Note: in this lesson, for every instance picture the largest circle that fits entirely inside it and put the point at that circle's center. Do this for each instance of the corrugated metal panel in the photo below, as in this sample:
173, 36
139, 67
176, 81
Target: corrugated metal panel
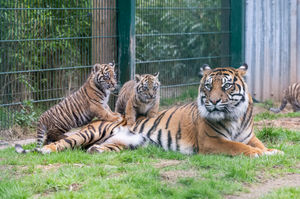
272, 46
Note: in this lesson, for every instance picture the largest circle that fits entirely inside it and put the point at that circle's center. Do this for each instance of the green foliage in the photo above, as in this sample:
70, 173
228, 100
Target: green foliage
27, 115
36, 38
277, 135
173, 31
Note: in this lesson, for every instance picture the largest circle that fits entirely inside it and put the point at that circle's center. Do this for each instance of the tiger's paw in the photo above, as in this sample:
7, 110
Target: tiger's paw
254, 153
273, 152
94, 149
47, 149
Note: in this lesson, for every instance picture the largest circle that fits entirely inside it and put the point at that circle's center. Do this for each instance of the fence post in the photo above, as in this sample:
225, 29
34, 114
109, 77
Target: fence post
126, 45
237, 26
103, 32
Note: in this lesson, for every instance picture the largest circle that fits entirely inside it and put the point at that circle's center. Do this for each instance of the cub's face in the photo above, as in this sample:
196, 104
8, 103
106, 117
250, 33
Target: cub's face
223, 93
147, 87
104, 76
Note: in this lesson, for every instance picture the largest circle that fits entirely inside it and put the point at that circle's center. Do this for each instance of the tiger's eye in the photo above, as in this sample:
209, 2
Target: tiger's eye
227, 86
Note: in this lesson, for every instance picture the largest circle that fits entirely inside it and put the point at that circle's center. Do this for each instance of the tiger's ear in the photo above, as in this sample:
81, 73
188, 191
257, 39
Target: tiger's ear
96, 68
242, 70
204, 69
137, 78
156, 75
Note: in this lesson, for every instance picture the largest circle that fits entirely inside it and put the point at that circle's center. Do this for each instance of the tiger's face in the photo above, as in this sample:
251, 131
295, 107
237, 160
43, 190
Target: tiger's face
223, 93
147, 87
104, 76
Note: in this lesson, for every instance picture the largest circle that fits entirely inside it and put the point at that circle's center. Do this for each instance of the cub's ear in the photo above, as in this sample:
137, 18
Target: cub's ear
112, 65
156, 75
242, 70
137, 78
96, 68
204, 70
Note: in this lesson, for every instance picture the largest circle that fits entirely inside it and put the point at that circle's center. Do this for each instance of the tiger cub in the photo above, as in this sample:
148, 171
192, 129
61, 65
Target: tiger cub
139, 97
80, 107
292, 96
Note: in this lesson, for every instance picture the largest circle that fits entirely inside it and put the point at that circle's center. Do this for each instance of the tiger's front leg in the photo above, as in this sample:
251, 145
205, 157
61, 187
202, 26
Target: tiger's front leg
104, 113
255, 142
153, 111
122, 138
130, 114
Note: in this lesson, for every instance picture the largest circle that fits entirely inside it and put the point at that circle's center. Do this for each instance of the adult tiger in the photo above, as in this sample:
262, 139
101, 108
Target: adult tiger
79, 108
292, 96
219, 122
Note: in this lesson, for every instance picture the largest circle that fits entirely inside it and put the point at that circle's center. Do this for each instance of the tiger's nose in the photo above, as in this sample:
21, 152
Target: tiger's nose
215, 101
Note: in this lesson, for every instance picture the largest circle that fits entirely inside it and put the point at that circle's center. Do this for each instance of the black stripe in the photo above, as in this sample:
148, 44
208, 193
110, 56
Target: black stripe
100, 127
169, 139
248, 119
211, 126
92, 136
87, 135
178, 137
137, 123
210, 135
75, 142
83, 136
224, 127
103, 133
143, 125
156, 123
171, 115
159, 137
234, 79
247, 136
69, 142
91, 127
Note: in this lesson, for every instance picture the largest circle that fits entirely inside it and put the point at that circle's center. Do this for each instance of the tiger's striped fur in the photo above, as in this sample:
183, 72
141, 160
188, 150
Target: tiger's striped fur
139, 97
219, 122
80, 107
291, 95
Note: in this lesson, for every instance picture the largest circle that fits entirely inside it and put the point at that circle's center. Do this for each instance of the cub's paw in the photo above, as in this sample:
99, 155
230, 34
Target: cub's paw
47, 149
273, 152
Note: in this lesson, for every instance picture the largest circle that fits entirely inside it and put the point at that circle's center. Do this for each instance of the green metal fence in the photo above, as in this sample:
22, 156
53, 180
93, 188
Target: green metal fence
46, 51
47, 47
177, 37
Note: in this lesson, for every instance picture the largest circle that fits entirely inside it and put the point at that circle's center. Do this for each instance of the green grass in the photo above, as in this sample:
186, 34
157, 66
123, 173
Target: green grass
284, 193
273, 116
133, 174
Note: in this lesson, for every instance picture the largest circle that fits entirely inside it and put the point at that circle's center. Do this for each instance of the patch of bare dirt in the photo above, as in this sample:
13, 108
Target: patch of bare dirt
166, 163
288, 123
259, 190
172, 176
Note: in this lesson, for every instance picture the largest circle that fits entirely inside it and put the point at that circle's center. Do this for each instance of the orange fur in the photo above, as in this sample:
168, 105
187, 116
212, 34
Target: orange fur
139, 97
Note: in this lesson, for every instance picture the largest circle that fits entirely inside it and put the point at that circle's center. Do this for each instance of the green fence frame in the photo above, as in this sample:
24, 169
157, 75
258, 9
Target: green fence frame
126, 46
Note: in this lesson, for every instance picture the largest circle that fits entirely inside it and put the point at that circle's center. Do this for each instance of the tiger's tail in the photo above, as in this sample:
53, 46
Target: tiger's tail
282, 106
41, 131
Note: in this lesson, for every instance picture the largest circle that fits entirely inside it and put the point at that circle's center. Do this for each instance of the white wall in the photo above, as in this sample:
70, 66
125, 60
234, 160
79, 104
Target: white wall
272, 46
